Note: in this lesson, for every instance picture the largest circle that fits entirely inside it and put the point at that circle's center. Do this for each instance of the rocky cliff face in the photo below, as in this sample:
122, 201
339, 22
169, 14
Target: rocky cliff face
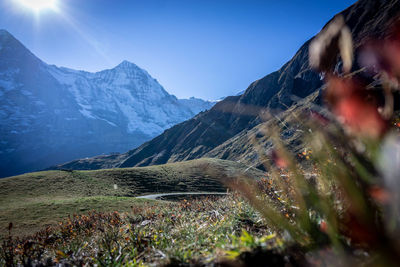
223, 130
50, 115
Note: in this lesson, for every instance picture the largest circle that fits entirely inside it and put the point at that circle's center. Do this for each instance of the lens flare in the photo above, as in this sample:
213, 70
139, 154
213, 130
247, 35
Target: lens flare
38, 5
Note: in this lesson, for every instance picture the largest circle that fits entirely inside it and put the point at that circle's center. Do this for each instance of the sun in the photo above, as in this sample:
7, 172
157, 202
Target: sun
38, 5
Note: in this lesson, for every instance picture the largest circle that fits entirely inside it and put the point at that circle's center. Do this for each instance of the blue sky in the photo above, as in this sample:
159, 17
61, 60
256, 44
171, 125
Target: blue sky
207, 48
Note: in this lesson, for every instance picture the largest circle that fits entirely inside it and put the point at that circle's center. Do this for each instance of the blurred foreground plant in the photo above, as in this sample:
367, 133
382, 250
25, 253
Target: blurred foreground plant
346, 197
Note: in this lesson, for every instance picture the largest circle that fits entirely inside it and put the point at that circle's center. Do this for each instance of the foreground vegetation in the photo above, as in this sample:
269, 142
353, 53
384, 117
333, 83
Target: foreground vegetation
35, 200
334, 203
185, 232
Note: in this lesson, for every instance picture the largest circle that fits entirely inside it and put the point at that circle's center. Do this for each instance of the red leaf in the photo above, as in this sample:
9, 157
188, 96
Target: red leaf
348, 101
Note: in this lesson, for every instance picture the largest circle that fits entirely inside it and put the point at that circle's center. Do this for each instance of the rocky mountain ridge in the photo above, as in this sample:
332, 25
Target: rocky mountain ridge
226, 130
50, 114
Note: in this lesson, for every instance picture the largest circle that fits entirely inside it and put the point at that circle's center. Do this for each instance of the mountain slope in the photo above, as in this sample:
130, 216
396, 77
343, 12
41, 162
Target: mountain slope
219, 128
366, 19
50, 115
197, 105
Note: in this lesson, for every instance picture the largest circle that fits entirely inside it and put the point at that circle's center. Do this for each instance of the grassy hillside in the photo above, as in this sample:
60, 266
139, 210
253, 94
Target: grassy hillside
34, 200
246, 146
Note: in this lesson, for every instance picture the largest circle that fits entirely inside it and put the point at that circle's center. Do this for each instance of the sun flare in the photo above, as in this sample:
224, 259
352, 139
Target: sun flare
38, 5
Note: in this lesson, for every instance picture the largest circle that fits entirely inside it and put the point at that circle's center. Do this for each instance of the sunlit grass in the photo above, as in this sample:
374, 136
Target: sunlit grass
152, 232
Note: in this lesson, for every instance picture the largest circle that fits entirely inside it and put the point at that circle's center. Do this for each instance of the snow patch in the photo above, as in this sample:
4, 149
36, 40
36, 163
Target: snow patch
87, 114
39, 103
62, 77
26, 93
7, 85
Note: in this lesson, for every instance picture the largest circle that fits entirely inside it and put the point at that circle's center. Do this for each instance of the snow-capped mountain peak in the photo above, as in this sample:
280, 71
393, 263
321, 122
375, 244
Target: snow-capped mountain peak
125, 64
45, 109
